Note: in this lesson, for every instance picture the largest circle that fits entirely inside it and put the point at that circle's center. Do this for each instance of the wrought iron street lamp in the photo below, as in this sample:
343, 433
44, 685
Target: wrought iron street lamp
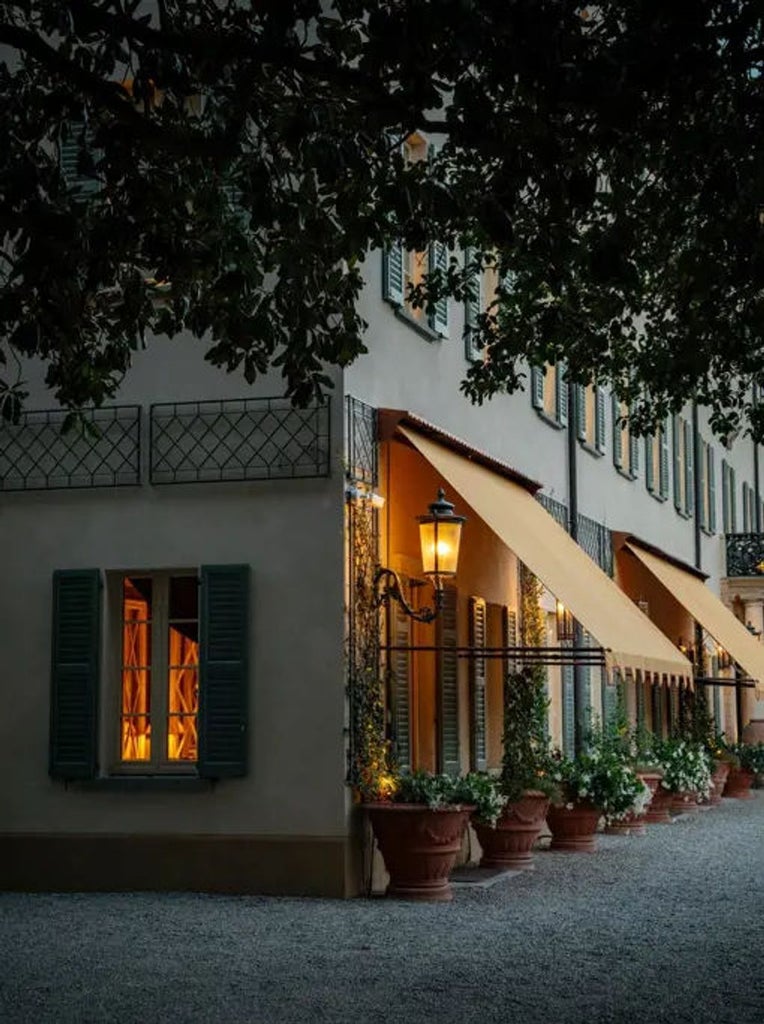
440, 534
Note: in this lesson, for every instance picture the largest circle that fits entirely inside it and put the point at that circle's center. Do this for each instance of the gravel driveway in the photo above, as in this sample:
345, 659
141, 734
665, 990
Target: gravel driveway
669, 927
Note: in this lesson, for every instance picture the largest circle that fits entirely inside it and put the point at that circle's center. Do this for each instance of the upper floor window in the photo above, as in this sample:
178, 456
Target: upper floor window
403, 269
625, 444
684, 467
729, 498
590, 416
549, 393
749, 509
657, 463
484, 287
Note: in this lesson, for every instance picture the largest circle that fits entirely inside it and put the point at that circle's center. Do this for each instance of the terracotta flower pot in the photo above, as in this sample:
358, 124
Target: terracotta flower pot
509, 844
573, 827
624, 826
739, 782
684, 802
659, 809
718, 781
419, 847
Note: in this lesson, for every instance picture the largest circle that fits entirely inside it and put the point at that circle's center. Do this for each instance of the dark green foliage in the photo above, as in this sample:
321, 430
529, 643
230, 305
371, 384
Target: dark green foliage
608, 158
526, 760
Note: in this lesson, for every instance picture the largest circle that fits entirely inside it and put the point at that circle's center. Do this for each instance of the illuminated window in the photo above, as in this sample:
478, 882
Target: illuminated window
549, 393
485, 288
625, 444
159, 694
404, 269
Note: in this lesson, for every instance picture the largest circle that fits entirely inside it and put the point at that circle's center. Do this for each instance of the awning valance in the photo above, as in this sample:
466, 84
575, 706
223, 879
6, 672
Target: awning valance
707, 609
630, 640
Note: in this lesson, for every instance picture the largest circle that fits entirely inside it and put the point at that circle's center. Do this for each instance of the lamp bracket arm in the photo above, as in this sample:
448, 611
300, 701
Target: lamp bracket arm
388, 586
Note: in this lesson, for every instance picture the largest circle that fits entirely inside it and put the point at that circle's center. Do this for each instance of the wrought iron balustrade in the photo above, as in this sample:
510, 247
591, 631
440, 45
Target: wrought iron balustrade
238, 439
360, 441
104, 451
745, 553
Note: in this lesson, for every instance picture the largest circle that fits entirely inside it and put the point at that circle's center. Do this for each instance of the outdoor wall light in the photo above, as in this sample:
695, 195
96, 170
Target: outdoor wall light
565, 628
723, 658
687, 649
440, 533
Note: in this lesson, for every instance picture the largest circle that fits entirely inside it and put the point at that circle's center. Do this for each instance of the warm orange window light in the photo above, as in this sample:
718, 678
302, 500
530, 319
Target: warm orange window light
183, 669
440, 534
135, 733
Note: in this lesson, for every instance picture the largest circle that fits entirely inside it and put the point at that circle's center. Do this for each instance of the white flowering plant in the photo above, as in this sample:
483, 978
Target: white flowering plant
601, 776
686, 766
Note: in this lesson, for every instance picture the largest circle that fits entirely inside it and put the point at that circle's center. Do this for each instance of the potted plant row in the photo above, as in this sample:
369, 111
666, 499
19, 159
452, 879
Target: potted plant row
747, 763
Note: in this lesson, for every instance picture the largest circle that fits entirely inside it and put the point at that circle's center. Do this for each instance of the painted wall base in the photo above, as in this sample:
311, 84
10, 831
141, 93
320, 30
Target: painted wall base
272, 865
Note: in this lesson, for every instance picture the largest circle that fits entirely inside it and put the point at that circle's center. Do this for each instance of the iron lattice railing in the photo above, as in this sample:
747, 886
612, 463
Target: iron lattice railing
745, 553
556, 509
238, 439
595, 539
103, 451
361, 460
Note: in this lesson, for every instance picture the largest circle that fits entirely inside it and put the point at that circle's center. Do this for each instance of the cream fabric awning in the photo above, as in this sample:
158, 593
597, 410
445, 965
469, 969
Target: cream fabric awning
630, 640
709, 611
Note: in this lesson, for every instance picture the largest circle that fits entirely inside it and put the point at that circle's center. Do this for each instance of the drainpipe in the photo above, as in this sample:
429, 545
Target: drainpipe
580, 696
699, 498
756, 487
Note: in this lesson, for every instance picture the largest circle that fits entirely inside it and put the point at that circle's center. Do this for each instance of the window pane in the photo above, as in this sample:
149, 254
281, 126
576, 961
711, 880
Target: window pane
183, 669
136, 669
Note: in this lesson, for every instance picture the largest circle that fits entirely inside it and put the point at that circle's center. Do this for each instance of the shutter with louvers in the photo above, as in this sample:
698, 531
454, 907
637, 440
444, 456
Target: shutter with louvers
752, 509
509, 638
472, 309
401, 690
609, 701
580, 392
223, 671
599, 424
746, 520
77, 159
640, 687
717, 705
561, 395
568, 711
702, 511
650, 442
733, 501
663, 485
477, 683
657, 709
689, 470
448, 684
725, 497
392, 274
75, 673
537, 387
617, 434
633, 453
438, 256
711, 489
677, 438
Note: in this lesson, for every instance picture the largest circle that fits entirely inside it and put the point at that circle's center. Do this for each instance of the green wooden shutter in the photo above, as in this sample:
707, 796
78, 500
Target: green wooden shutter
746, 520
650, 441
617, 434
689, 470
677, 439
711, 488
75, 664
717, 706
438, 257
732, 502
580, 392
725, 496
633, 453
657, 709
448, 684
640, 687
599, 423
509, 638
663, 483
561, 395
537, 387
77, 157
401, 691
568, 711
223, 671
472, 309
477, 641
392, 274
702, 490
609, 700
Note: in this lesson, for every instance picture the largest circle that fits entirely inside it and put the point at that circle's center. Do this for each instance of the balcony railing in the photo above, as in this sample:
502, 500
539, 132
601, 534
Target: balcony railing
745, 553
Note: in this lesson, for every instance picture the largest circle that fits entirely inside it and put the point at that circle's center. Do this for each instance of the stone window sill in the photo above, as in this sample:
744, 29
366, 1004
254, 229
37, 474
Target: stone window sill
422, 329
145, 784
550, 420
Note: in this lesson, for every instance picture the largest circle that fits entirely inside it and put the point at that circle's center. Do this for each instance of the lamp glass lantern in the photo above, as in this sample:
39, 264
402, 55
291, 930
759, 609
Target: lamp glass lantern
440, 534
564, 618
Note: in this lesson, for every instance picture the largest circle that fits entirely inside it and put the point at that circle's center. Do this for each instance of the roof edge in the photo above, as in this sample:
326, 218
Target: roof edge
390, 419
621, 539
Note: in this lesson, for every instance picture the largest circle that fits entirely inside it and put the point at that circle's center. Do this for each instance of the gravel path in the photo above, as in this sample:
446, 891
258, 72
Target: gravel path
665, 928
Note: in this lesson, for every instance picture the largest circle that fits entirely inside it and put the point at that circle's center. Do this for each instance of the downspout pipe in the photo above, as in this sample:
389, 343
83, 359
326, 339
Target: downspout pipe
698, 498
580, 694
756, 484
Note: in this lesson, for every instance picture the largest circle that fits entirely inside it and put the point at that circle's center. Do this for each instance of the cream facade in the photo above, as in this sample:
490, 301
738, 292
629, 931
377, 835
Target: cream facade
214, 481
